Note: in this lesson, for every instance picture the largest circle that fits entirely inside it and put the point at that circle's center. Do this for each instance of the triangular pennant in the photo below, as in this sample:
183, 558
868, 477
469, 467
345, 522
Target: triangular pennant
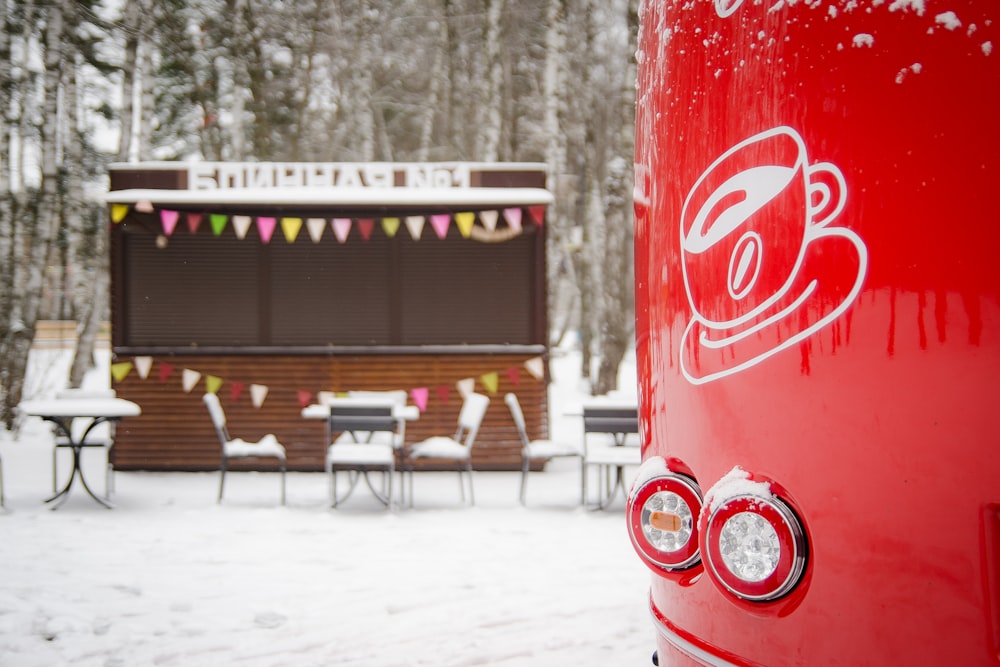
489, 219
537, 214
419, 396
193, 222
143, 364
213, 383
464, 221
241, 223
265, 226
120, 370
258, 393
535, 366
514, 375
513, 217
118, 212
415, 225
390, 226
189, 379
218, 222
341, 228
236, 390
466, 386
315, 226
144, 206
290, 228
169, 220
365, 226
491, 381
440, 224
443, 390
166, 370
305, 398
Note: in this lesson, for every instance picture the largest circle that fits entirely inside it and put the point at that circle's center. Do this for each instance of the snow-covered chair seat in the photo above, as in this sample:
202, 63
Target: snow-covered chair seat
238, 448
538, 449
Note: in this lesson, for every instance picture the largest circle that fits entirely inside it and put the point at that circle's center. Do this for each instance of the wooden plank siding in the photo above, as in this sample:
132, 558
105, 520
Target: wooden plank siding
175, 433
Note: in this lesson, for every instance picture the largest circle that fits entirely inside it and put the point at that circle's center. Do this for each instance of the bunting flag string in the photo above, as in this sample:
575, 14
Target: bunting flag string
213, 383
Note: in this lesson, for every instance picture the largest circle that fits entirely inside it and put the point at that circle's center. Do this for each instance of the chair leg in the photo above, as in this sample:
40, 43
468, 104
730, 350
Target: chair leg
55, 450
283, 470
222, 480
472, 495
524, 479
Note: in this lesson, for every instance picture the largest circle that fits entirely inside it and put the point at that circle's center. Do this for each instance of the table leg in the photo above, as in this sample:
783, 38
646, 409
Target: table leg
77, 470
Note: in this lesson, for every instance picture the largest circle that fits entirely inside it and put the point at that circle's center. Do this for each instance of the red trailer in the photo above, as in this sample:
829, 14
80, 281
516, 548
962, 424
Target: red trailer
818, 330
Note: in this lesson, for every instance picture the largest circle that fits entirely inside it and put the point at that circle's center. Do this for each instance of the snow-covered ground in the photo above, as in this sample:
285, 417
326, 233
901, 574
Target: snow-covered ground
171, 578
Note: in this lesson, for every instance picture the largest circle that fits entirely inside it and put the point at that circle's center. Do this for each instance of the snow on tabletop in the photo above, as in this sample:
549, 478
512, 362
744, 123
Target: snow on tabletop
733, 484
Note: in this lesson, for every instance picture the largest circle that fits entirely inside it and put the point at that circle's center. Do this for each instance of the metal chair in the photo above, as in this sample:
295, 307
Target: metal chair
237, 448
457, 448
367, 443
538, 449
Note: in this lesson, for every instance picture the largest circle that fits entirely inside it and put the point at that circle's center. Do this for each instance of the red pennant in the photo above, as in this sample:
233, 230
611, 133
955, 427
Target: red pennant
514, 375
305, 398
365, 226
193, 220
442, 392
165, 371
537, 214
236, 390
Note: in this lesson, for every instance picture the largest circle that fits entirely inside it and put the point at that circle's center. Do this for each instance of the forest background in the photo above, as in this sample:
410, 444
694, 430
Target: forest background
86, 83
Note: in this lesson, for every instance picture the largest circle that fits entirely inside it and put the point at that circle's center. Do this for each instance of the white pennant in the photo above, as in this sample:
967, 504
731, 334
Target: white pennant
415, 223
536, 367
258, 393
190, 379
241, 223
489, 219
143, 364
466, 386
315, 227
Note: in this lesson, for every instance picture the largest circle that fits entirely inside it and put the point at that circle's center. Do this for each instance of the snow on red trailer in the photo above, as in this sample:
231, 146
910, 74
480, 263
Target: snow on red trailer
818, 330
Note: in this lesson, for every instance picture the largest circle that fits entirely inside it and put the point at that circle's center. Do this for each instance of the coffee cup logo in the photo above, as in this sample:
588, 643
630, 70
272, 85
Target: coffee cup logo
751, 228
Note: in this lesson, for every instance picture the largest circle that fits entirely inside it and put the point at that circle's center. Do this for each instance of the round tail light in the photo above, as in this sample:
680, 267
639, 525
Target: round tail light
755, 547
663, 514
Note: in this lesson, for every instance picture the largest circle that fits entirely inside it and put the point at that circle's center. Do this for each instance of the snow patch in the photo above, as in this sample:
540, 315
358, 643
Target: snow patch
863, 39
949, 20
916, 6
734, 484
651, 468
987, 48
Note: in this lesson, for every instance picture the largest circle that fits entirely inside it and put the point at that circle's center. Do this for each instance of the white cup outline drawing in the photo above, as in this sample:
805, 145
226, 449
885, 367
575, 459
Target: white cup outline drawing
815, 228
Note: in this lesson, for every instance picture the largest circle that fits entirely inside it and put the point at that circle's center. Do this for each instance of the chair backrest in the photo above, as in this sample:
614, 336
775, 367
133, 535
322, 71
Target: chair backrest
610, 420
470, 417
218, 416
361, 418
518, 416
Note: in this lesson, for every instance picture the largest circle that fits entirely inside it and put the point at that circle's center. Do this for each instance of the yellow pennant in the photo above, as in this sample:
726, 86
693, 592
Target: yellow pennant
390, 226
491, 381
212, 384
118, 212
464, 221
290, 228
120, 370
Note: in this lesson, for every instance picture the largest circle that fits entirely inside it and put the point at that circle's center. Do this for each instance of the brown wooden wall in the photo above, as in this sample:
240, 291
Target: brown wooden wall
174, 431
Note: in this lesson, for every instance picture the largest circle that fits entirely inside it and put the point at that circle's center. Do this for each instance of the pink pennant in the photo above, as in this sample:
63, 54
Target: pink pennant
169, 220
513, 217
440, 223
266, 225
419, 396
305, 398
514, 375
537, 214
365, 226
193, 221
443, 390
341, 228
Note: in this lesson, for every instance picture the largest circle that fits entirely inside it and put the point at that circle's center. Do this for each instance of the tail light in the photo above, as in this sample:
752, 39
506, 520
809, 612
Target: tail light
754, 544
663, 515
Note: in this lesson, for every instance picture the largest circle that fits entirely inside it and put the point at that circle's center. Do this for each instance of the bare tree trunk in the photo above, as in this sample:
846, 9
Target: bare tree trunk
438, 81
132, 25
26, 301
492, 99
